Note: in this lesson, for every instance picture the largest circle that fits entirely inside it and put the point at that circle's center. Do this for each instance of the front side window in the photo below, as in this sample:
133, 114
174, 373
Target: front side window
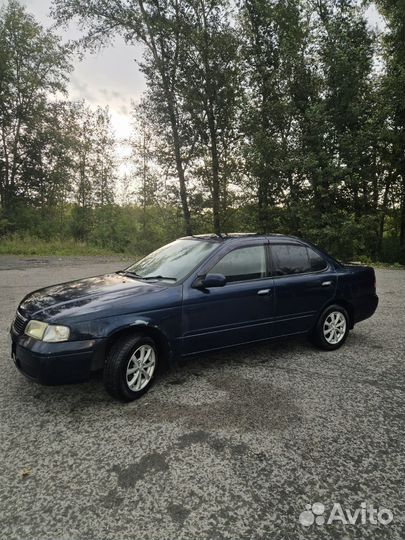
242, 264
289, 259
173, 261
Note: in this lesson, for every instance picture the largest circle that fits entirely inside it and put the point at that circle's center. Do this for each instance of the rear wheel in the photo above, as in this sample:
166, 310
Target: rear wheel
332, 328
131, 367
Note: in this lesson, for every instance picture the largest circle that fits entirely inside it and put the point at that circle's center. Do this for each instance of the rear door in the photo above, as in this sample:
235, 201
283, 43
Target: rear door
239, 312
304, 282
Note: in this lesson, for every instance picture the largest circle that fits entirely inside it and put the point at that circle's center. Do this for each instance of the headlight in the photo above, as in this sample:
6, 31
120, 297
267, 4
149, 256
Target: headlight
56, 332
47, 332
36, 329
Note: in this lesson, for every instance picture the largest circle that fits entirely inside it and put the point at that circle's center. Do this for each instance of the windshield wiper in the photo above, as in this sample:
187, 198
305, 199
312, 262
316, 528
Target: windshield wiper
146, 278
128, 273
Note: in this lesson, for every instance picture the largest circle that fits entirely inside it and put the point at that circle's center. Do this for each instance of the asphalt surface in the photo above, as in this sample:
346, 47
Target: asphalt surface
228, 445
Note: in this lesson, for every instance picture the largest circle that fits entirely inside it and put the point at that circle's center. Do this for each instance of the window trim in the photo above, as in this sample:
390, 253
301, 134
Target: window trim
264, 245
311, 273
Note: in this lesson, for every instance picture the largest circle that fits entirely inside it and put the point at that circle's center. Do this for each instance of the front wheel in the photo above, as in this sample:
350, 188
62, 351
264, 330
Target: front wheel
332, 328
130, 367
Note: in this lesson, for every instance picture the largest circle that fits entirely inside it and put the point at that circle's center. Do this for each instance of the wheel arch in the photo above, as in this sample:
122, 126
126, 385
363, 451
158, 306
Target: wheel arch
345, 304
158, 336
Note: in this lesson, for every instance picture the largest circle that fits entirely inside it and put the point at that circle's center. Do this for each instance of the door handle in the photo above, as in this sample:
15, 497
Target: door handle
262, 292
326, 283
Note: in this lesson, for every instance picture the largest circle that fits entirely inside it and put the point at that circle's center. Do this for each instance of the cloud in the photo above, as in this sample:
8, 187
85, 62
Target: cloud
124, 110
110, 77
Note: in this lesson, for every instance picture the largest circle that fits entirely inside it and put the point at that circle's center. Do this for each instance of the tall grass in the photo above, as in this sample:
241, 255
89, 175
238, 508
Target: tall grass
30, 245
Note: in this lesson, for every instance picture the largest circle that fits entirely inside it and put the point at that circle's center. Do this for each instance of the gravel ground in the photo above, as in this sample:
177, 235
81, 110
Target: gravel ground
229, 445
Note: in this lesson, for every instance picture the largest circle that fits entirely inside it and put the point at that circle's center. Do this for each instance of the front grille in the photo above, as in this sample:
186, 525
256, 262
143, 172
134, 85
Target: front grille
19, 324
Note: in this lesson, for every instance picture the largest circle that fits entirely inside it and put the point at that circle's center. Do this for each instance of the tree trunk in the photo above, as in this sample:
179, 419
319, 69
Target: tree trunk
215, 173
263, 204
180, 172
150, 42
209, 106
381, 223
402, 223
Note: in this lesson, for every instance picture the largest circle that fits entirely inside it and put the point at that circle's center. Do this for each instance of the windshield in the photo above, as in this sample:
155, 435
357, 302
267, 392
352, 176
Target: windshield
174, 261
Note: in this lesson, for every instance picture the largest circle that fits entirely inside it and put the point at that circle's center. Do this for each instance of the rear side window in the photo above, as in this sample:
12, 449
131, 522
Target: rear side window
242, 264
294, 259
289, 259
317, 262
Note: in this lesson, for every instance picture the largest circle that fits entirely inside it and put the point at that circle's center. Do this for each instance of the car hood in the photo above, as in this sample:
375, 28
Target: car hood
87, 295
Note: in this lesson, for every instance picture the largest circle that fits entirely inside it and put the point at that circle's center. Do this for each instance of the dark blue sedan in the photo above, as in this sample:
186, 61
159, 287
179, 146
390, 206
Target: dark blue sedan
196, 294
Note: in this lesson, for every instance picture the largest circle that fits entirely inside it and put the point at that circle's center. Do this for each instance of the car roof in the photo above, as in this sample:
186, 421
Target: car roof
244, 235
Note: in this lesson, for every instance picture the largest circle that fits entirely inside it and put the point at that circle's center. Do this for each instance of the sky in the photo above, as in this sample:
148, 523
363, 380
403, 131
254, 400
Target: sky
111, 77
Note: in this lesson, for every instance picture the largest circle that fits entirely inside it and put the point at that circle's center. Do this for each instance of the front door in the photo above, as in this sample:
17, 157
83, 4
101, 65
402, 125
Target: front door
239, 312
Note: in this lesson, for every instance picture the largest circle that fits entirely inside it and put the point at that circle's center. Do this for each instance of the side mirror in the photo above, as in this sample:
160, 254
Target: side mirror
210, 280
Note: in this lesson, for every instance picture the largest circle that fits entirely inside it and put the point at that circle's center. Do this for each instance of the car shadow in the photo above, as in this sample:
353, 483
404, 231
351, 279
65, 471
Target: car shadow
92, 393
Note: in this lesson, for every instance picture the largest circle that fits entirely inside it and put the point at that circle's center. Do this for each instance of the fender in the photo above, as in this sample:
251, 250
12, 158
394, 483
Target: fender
144, 324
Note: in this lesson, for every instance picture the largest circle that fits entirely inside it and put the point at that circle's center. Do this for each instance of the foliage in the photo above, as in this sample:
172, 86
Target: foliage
283, 116
33, 67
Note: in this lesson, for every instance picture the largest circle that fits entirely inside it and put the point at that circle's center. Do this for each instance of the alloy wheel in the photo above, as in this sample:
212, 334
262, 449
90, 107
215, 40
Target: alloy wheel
334, 327
140, 368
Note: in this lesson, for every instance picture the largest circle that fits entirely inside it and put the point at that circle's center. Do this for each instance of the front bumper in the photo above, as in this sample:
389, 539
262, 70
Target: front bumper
55, 363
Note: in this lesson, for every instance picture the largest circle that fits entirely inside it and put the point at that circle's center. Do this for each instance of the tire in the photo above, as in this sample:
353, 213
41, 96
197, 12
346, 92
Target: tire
332, 328
123, 378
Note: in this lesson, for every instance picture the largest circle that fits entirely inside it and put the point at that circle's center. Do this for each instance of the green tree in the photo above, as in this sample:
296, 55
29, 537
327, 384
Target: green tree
156, 24
273, 38
147, 171
211, 90
340, 146
33, 65
47, 170
393, 85
93, 175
